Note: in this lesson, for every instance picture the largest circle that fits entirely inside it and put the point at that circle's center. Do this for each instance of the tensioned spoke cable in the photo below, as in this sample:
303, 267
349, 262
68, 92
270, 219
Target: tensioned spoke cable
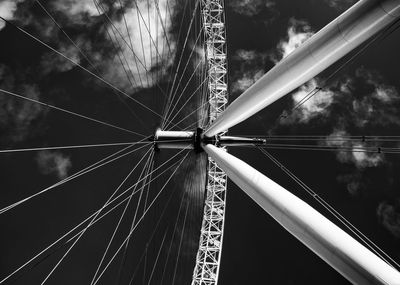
181, 55
74, 176
187, 101
87, 219
82, 67
158, 255
180, 241
93, 219
63, 237
130, 41
155, 230
162, 26
173, 106
142, 189
70, 112
84, 55
116, 45
187, 116
177, 39
69, 147
83, 222
183, 49
334, 148
120, 220
370, 244
180, 80
140, 219
173, 235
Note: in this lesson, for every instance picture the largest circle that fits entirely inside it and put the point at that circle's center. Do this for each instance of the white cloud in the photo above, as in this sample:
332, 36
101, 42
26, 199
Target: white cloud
298, 32
250, 7
340, 5
316, 105
7, 10
53, 163
389, 216
149, 43
250, 68
76, 8
18, 118
353, 152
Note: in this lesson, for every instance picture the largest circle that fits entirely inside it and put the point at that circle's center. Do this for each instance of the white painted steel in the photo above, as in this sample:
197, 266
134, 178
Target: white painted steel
208, 257
328, 241
174, 139
358, 24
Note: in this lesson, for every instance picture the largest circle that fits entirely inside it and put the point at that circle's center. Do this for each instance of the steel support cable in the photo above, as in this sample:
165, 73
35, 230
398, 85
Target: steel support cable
127, 44
180, 241
84, 55
188, 100
180, 80
334, 148
116, 45
60, 239
158, 255
120, 195
188, 206
82, 223
93, 219
187, 116
70, 112
122, 215
181, 93
380, 36
133, 223
353, 229
163, 27
331, 139
173, 235
81, 67
84, 171
130, 41
155, 230
140, 219
70, 147
182, 52
150, 36
178, 38
124, 254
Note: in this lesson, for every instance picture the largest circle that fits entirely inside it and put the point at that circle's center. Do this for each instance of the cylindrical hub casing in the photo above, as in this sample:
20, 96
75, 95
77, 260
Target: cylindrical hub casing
174, 139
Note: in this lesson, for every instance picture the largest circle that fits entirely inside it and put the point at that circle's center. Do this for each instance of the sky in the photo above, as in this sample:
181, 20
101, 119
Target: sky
361, 99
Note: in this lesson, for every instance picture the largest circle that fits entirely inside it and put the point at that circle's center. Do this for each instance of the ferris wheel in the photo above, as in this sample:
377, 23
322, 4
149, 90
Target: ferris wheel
177, 83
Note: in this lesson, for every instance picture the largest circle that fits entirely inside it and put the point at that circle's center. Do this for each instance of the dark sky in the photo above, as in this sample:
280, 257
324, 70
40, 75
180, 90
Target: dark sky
363, 99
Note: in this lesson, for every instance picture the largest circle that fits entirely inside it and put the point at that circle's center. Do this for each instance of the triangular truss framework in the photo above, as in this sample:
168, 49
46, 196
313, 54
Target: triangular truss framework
210, 245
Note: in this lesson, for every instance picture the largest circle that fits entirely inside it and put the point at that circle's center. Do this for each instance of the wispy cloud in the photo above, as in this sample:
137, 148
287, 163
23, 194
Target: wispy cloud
249, 67
250, 8
53, 163
389, 216
7, 10
315, 106
352, 154
18, 117
298, 31
340, 5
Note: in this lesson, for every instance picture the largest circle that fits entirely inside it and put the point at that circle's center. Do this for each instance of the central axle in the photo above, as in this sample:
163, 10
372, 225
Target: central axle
195, 139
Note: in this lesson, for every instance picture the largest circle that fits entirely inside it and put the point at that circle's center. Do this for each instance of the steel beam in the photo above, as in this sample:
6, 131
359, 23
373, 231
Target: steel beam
351, 259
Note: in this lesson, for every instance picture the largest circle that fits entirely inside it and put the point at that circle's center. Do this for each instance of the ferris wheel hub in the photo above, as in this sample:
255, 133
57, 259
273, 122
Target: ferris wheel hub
194, 140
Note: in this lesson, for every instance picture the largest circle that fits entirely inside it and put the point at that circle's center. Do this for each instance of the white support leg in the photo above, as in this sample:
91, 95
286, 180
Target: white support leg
351, 259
